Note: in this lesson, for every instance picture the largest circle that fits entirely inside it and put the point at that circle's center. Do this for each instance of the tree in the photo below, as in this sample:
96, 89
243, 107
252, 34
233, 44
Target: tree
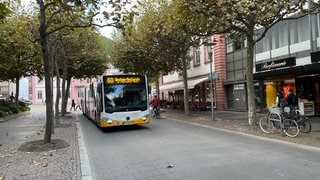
160, 40
248, 19
80, 55
58, 15
19, 56
4, 9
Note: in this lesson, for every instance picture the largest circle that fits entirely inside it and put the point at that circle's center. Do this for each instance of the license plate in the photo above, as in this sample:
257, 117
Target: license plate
127, 123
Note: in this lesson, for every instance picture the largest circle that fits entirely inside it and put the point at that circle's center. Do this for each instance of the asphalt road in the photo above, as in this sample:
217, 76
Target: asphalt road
170, 149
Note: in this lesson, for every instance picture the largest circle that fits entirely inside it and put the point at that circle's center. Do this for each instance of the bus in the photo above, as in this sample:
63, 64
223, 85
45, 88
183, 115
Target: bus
117, 100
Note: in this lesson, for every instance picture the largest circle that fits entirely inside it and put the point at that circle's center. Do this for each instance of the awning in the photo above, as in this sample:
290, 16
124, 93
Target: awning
179, 85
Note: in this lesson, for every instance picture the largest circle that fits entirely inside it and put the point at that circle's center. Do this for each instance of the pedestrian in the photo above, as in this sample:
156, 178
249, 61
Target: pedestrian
73, 105
281, 101
78, 105
292, 102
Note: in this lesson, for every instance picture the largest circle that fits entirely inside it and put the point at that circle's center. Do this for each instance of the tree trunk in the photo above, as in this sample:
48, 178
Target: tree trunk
68, 90
186, 90
250, 85
157, 87
57, 119
65, 90
47, 72
17, 79
64, 98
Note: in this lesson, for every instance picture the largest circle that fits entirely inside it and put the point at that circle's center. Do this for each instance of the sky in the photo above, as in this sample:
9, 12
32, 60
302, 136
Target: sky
105, 31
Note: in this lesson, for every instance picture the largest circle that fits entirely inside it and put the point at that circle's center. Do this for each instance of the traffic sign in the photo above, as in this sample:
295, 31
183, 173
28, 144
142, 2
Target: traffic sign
213, 76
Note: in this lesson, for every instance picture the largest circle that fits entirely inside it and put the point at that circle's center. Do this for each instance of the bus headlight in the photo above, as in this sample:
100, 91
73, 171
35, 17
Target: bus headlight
146, 117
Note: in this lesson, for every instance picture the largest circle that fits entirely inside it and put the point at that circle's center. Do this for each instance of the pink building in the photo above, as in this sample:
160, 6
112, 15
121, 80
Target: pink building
37, 90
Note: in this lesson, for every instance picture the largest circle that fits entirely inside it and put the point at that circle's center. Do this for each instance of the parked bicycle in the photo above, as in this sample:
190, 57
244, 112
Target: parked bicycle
277, 120
303, 122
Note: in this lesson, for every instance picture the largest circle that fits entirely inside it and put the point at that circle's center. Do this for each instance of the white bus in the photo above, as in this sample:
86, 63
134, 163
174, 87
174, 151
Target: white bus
117, 100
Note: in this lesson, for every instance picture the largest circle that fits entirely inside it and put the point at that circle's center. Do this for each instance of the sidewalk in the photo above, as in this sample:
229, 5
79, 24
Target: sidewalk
230, 115
51, 165
65, 163
238, 122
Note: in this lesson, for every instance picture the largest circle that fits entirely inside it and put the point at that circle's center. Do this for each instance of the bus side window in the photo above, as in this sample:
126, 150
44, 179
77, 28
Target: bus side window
149, 89
99, 88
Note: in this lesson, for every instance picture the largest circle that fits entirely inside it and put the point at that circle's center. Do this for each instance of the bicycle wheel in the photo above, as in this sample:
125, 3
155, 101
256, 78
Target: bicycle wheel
266, 124
290, 128
304, 124
275, 118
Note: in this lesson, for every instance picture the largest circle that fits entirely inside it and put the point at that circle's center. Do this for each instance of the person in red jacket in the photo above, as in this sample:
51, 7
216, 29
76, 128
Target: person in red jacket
155, 102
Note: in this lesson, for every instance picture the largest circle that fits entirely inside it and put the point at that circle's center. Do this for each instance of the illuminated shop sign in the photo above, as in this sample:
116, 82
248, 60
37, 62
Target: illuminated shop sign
123, 80
288, 62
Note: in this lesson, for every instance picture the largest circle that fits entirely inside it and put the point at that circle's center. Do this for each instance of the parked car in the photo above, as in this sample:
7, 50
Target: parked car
26, 102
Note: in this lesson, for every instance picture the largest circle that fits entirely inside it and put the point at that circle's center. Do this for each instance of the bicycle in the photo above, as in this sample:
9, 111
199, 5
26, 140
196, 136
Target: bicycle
303, 122
276, 120
155, 112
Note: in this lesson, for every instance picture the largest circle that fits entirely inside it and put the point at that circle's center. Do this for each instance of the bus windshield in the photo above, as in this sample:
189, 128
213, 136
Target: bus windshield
125, 97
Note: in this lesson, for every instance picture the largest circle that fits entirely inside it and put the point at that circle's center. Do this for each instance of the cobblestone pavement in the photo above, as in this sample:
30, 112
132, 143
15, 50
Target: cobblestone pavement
51, 165
65, 163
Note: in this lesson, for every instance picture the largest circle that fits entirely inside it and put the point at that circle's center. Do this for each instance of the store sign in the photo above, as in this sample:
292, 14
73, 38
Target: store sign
288, 62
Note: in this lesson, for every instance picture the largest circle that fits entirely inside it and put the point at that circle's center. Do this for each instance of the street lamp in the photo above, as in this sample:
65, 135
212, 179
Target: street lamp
209, 45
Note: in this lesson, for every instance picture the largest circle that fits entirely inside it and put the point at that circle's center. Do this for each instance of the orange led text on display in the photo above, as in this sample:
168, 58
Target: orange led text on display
123, 80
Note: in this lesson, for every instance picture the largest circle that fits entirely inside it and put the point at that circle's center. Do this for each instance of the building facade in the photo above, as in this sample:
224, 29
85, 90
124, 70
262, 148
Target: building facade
287, 58
199, 80
37, 90
8, 88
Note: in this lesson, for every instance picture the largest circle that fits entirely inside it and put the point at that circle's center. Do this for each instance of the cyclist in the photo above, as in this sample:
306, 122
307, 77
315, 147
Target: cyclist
155, 104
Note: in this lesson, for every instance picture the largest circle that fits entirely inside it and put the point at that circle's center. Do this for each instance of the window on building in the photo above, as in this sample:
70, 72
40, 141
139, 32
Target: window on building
263, 44
236, 45
196, 56
39, 94
3, 88
229, 47
299, 30
279, 35
283, 34
274, 38
80, 93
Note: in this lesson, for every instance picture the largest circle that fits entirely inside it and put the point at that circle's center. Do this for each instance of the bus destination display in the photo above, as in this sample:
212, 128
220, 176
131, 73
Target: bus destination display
123, 80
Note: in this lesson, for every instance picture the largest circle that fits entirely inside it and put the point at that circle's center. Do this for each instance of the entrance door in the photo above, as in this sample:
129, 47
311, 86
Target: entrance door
239, 97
